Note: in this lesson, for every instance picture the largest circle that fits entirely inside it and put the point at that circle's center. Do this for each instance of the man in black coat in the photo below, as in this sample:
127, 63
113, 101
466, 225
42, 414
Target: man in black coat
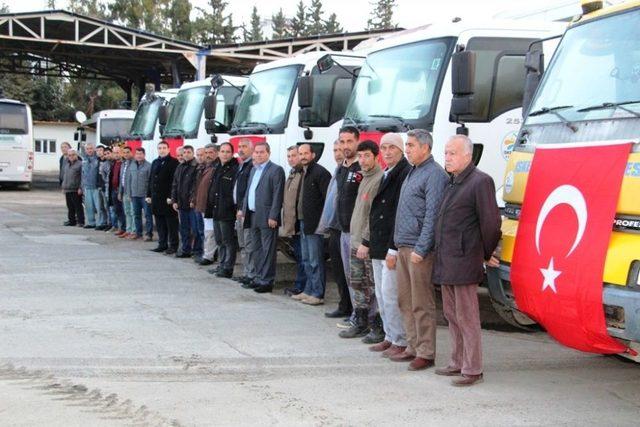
181, 197
382, 249
159, 196
222, 208
311, 197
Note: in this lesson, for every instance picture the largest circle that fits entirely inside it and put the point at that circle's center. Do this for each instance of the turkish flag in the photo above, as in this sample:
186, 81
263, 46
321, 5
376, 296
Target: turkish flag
562, 240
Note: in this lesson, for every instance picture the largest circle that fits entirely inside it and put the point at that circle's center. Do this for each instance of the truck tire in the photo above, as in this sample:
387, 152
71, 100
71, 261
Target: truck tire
514, 318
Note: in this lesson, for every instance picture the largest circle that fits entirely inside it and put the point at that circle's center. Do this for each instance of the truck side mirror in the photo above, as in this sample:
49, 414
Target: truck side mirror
210, 104
216, 81
534, 65
324, 63
304, 117
305, 92
463, 73
163, 115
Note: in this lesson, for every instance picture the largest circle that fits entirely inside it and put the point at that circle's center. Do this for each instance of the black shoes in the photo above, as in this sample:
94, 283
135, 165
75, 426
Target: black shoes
170, 251
101, 227
250, 285
158, 249
69, 224
263, 289
336, 314
360, 326
292, 291
89, 226
205, 261
214, 270
224, 273
183, 255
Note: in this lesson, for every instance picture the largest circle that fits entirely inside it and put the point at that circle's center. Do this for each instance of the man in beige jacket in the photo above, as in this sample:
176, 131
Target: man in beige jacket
361, 271
289, 217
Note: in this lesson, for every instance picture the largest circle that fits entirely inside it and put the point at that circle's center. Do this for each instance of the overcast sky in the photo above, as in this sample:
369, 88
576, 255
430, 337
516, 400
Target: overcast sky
353, 14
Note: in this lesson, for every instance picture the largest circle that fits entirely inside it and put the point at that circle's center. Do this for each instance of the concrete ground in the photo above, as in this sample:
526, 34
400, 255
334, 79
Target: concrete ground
100, 331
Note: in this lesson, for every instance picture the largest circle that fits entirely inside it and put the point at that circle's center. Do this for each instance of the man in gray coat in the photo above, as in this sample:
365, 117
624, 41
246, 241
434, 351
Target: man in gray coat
71, 178
261, 211
420, 198
137, 183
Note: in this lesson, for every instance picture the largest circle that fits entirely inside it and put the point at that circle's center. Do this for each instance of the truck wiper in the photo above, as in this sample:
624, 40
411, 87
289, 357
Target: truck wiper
398, 118
265, 126
554, 111
614, 105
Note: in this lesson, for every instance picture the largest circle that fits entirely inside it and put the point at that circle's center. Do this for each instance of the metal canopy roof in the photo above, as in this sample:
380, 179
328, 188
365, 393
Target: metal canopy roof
62, 43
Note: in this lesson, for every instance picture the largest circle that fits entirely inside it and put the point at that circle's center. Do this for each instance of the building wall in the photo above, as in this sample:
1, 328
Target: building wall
47, 137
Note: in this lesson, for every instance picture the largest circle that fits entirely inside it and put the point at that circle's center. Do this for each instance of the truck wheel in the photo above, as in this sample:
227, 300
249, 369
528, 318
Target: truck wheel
514, 318
26, 187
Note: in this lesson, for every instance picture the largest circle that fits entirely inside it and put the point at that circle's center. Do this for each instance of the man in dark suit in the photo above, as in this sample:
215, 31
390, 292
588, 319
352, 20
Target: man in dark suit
159, 195
261, 209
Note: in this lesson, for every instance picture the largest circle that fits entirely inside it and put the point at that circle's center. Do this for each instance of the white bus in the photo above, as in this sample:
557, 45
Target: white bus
16, 143
104, 127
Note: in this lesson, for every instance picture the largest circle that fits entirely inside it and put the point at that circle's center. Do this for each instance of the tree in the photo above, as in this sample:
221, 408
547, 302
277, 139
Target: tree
93, 8
147, 15
279, 25
315, 23
212, 26
299, 21
332, 26
4, 8
381, 17
51, 4
179, 21
254, 34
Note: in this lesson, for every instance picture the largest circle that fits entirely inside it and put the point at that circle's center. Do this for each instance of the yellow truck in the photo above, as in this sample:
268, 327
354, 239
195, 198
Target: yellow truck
590, 91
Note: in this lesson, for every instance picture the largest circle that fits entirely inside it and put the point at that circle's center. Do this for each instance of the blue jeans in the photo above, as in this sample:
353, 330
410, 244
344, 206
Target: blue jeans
198, 241
301, 277
116, 210
139, 205
93, 214
189, 229
312, 246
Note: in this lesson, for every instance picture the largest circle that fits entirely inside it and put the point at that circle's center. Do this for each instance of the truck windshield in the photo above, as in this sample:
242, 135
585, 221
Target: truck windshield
13, 119
186, 112
400, 82
594, 73
111, 129
266, 98
144, 122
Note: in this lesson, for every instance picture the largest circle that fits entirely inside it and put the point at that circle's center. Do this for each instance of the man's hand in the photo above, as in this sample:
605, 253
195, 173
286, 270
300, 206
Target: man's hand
169, 201
192, 205
175, 207
148, 200
119, 197
79, 191
415, 258
362, 252
272, 223
493, 261
239, 215
391, 261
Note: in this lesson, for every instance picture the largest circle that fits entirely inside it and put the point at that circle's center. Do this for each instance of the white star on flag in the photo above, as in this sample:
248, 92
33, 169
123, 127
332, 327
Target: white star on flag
550, 275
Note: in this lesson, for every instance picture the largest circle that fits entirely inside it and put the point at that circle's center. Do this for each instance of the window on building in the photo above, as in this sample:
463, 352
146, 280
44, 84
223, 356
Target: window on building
45, 146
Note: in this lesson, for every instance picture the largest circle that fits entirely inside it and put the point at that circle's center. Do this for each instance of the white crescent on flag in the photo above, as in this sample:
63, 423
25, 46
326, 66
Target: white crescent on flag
569, 195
